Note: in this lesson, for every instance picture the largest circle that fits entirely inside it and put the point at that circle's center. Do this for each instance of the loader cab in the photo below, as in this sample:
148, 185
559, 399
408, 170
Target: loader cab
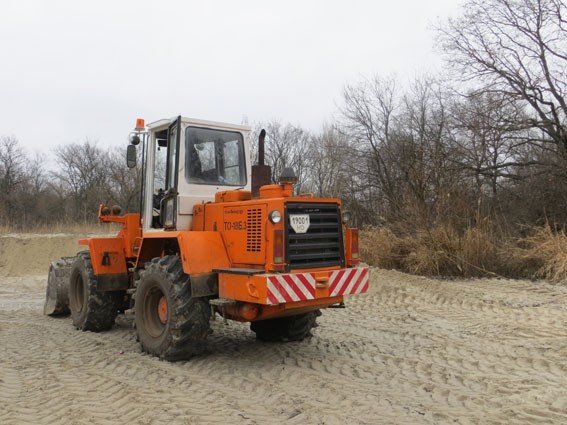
186, 162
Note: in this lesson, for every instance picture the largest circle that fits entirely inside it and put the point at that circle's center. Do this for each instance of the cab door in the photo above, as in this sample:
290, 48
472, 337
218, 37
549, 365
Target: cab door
168, 208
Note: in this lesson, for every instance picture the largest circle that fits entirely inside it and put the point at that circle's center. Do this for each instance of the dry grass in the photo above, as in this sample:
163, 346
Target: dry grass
381, 248
545, 252
438, 251
476, 251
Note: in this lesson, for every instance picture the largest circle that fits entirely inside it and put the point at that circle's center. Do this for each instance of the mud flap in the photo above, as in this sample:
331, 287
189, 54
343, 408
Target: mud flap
57, 293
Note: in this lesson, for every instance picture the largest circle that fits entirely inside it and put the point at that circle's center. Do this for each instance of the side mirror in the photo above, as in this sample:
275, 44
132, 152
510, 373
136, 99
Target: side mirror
131, 156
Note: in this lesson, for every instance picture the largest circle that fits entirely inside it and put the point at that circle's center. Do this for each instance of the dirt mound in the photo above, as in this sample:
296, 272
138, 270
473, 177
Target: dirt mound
28, 254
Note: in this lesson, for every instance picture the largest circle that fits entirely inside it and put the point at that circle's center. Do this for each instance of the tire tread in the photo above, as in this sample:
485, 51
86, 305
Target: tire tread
102, 307
189, 324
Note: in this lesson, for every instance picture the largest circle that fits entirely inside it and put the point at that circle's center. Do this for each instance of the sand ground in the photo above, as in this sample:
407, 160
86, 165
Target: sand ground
413, 350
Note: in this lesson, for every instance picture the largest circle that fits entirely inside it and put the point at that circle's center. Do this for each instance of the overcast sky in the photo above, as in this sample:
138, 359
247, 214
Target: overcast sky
74, 69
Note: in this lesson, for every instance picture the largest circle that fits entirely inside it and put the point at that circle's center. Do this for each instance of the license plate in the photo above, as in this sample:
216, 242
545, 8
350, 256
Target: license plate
299, 222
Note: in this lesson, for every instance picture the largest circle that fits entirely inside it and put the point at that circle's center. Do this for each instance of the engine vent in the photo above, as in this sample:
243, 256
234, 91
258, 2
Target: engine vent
254, 230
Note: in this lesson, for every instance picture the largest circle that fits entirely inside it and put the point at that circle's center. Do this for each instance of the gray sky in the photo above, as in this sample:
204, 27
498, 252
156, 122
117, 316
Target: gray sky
75, 69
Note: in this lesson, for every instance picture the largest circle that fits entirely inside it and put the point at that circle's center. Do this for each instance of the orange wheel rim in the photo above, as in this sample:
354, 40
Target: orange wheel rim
162, 310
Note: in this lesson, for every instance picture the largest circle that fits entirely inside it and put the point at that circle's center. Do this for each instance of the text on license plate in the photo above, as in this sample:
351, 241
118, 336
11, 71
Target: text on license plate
299, 222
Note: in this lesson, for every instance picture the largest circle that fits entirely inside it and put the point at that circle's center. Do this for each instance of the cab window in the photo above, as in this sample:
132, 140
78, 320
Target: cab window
214, 157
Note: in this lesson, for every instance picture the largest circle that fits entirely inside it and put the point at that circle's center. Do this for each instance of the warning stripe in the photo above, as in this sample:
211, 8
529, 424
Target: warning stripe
293, 287
336, 278
364, 288
285, 288
307, 286
348, 281
339, 279
358, 283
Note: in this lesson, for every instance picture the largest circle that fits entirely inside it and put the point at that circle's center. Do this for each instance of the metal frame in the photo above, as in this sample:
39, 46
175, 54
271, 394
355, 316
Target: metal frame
171, 188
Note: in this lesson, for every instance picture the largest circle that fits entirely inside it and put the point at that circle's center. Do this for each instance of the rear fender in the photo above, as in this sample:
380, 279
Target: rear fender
200, 252
108, 258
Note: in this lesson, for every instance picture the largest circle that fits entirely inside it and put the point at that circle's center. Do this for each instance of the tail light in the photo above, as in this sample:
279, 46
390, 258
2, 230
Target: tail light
354, 244
353, 256
278, 248
248, 311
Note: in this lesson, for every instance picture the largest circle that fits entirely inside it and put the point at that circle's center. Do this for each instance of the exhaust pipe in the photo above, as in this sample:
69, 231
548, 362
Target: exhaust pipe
261, 173
261, 139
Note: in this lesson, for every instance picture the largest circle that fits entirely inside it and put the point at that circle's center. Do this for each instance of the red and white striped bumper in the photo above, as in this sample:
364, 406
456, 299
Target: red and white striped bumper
294, 287
288, 288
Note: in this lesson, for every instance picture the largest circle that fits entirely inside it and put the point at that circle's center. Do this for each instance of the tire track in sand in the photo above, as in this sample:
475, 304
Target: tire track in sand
413, 350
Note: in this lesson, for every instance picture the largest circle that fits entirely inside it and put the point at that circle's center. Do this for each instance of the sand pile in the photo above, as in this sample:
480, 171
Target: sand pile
28, 254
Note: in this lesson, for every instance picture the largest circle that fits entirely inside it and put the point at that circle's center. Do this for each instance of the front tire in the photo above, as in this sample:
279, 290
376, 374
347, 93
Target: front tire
91, 310
170, 324
286, 329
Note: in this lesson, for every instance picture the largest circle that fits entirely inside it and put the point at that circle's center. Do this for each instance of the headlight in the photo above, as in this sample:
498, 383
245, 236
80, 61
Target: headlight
347, 217
275, 216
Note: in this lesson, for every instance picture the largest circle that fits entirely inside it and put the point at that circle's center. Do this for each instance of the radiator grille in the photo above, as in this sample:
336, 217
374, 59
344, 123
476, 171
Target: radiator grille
322, 244
254, 230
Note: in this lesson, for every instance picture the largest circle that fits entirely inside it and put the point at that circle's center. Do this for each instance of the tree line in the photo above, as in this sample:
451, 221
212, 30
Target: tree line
85, 175
484, 139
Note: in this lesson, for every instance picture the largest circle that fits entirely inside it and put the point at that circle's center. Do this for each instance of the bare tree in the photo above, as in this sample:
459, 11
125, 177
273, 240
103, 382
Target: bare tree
518, 49
488, 141
328, 152
400, 140
12, 177
124, 183
83, 174
286, 146
368, 112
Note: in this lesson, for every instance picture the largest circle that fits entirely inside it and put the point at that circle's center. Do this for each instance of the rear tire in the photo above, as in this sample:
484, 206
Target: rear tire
285, 329
91, 310
170, 324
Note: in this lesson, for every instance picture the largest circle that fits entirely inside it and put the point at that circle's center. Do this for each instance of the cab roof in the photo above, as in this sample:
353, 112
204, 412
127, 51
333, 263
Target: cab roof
165, 122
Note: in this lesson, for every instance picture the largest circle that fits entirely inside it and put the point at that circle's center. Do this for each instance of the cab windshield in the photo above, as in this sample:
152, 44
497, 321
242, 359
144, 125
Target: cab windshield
214, 157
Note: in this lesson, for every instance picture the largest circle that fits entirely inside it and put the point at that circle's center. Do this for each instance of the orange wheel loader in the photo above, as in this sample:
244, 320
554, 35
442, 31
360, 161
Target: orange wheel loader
214, 236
